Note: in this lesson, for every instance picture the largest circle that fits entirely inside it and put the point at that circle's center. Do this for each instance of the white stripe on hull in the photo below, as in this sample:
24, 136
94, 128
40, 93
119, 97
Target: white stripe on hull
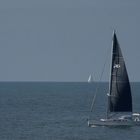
92, 123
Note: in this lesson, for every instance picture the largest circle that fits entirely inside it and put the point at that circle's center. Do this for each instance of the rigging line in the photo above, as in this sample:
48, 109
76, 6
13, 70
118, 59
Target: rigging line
97, 87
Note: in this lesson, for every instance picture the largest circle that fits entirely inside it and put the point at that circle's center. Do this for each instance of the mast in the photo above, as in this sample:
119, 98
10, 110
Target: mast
110, 77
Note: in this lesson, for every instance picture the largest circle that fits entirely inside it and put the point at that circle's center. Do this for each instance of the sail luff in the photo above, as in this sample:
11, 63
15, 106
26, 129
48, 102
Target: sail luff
110, 83
113, 44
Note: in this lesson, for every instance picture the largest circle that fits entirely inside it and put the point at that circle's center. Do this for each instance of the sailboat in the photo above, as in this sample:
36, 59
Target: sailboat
119, 108
90, 79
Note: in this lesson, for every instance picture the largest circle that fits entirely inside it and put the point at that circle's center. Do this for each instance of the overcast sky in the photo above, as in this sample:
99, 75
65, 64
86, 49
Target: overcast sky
66, 40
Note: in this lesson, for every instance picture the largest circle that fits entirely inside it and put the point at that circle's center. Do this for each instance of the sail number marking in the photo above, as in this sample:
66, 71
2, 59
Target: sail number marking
116, 66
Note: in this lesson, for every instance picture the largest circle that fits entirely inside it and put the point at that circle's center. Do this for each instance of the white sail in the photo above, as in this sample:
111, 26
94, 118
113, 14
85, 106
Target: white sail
90, 79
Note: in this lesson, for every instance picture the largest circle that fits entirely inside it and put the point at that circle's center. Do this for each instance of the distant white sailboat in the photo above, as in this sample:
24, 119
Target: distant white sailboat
119, 109
90, 79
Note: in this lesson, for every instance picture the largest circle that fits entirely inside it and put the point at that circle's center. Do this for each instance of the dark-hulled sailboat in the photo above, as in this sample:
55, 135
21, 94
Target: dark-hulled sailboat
119, 110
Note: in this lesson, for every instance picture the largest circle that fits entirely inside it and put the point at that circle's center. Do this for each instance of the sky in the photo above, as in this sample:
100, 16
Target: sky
66, 40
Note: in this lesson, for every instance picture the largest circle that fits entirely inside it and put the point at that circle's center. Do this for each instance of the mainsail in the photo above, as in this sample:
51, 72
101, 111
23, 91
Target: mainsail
120, 99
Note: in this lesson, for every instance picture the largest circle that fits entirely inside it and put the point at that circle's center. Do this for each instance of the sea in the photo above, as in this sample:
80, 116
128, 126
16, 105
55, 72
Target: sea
59, 111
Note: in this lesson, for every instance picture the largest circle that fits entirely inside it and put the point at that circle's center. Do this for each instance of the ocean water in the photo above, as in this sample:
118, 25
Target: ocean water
58, 111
